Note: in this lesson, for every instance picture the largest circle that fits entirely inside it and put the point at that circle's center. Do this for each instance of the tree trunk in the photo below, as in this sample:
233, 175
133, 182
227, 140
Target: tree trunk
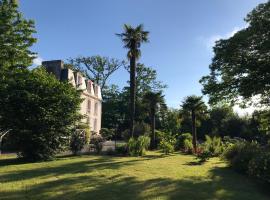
194, 134
132, 93
153, 127
0, 145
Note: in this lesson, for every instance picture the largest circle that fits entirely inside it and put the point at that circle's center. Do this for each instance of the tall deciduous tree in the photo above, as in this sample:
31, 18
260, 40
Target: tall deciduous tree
153, 101
146, 79
194, 105
15, 36
240, 67
97, 68
132, 39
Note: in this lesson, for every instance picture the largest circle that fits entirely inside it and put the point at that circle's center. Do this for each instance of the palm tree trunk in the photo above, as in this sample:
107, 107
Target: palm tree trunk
132, 93
194, 134
153, 127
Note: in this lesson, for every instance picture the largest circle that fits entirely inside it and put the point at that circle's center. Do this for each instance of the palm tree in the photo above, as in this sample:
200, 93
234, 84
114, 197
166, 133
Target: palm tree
153, 101
194, 105
132, 39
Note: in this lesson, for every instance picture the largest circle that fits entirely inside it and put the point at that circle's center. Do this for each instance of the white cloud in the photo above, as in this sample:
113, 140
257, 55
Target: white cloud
209, 42
37, 61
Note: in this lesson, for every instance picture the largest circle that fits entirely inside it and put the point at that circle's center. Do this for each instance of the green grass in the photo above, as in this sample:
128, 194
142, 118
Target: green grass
103, 177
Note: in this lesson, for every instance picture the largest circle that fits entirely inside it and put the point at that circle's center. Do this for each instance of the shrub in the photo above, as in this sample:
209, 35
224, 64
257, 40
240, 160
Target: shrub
107, 133
97, 140
121, 149
203, 155
187, 147
166, 146
213, 145
181, 140
259, 166
77, 142
138, 147
167, 143
240, 154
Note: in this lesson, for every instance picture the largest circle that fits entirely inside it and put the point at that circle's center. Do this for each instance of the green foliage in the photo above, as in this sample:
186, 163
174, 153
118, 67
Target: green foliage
15, 36
167, 142
210, 148
77, 142
188, 147
240, 154
171, 121
241, 63
121, 149
97, 140
181, 140
203, 155
141, 128
107, 134
138, 147
213, 145
259, 166
146, 79
167, 145
97, 68
33, 104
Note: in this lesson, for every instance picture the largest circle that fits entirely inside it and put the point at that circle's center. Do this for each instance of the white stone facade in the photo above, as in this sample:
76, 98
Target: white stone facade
91, 107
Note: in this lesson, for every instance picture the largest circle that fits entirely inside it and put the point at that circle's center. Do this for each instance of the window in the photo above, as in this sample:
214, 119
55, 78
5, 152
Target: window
89, 106
79, 80
88, 121
95, 125
96, 108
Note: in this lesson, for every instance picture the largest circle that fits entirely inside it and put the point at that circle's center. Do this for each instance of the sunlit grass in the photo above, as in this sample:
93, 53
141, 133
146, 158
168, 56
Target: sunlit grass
104, 177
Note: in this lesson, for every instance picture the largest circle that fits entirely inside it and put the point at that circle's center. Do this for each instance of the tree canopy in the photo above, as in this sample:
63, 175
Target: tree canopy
33, 104
97, 68
240, 67
15, 36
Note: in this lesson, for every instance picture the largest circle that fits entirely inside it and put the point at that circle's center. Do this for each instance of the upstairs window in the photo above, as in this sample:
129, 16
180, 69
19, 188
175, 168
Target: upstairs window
96, 109
89, 106
95, 125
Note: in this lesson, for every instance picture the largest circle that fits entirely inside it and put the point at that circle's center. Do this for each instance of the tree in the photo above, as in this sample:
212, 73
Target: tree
132, 39
146, 80
97, 68
40, 110
15, 36
218, 116
194, 105
240, 67
171, 121
153, 100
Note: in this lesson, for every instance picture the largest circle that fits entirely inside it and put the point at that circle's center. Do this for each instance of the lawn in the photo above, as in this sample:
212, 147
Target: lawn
104, 177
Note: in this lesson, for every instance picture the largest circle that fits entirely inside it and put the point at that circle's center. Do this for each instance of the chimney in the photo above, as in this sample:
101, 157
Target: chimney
54, 66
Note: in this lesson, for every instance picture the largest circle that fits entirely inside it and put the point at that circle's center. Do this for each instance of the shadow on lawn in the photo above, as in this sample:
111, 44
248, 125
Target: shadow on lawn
221, 184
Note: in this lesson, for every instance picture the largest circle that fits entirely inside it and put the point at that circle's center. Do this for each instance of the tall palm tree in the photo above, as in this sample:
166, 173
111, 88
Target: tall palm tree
194, 105
153, 100
132, 39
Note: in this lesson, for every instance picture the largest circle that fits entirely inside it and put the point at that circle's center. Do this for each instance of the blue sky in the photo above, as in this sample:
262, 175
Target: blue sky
182, 33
